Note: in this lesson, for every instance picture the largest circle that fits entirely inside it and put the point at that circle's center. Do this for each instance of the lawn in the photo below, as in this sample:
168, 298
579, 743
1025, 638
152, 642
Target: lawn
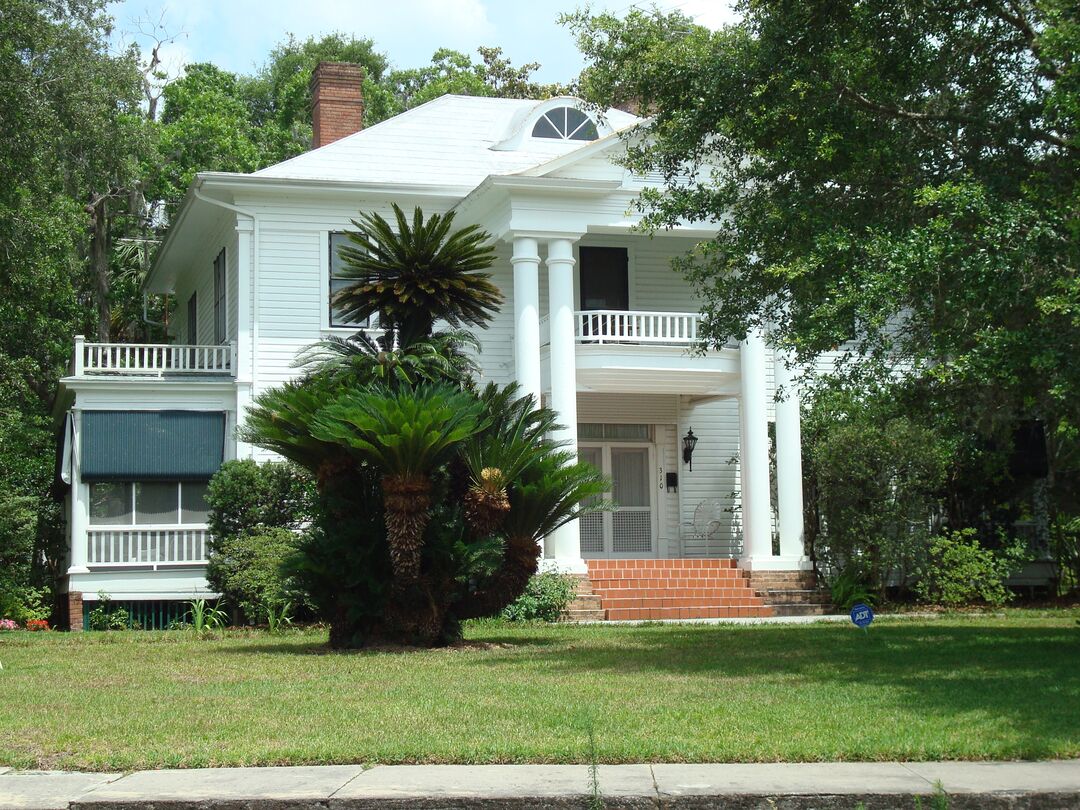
1000, 687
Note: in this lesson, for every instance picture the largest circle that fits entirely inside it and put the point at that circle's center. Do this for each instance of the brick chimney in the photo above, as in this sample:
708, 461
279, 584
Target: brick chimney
337, 102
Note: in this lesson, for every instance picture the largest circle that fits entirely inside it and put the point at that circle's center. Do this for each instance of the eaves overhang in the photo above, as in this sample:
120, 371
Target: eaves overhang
199, 211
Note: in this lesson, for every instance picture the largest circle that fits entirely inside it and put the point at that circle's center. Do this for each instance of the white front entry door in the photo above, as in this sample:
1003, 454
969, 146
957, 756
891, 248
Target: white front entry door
629, 530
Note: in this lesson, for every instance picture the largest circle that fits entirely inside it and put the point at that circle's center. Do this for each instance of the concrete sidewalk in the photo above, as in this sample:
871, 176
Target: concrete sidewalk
820, 786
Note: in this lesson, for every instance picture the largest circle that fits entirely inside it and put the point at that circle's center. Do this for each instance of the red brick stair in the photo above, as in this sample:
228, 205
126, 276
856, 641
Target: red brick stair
669, 589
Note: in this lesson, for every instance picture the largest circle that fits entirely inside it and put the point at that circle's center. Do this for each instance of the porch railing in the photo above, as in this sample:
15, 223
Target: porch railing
617, 326
151, 358
151, 545
622, 326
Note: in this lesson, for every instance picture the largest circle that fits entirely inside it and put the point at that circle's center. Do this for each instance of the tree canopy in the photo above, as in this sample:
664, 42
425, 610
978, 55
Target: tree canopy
904, 173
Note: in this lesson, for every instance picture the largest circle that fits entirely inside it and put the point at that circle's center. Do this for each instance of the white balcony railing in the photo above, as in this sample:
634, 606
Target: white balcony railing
618, 326
151, 358
151, 545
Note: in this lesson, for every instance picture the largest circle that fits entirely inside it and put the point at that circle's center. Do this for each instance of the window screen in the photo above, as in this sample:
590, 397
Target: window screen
156, 502
110, 503
193, 507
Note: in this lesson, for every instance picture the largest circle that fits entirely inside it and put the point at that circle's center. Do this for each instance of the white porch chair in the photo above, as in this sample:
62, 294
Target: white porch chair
700, 537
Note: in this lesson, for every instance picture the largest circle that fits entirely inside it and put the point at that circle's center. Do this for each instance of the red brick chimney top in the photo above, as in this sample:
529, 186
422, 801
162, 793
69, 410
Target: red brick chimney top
337, 102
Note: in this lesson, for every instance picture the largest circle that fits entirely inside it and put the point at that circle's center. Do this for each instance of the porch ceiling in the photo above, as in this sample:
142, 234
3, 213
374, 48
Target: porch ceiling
653, 370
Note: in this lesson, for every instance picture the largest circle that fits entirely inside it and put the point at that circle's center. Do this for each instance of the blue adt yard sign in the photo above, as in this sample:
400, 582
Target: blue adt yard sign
861, 615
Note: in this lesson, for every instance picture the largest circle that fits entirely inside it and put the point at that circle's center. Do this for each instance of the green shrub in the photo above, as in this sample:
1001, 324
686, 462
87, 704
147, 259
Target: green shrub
848, 589
246, 569
256, 512
106, 617
246, 495
1065, 539
545, 598
959, 571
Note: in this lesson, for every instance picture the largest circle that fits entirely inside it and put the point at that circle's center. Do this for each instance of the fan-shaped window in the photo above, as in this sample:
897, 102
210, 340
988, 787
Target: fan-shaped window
565, 124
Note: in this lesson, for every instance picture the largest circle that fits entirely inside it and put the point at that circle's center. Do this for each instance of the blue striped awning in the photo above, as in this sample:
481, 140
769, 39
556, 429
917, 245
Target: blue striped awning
151, 445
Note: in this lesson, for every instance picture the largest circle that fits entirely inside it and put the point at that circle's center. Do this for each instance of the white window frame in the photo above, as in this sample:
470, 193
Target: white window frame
132, 524
326, 324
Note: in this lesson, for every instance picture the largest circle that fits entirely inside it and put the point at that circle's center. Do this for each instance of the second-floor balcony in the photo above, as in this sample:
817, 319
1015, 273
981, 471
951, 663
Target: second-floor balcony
629, 327
660, 352
152, 359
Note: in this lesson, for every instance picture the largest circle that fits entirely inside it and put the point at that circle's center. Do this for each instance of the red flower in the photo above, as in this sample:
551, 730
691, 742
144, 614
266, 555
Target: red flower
37, 624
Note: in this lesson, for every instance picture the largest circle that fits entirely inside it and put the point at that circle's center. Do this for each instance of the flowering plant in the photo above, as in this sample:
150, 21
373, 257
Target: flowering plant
8, 624
37, 624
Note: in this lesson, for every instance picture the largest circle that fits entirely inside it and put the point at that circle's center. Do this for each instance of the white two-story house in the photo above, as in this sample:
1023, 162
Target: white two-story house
595, 322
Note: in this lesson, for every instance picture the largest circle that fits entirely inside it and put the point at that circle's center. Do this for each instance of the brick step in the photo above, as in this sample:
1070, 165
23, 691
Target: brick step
684, 602
672, 582
662, 593
667, 565
646, 614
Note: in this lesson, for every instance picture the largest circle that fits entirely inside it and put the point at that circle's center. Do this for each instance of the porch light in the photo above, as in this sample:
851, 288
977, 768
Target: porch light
689, 442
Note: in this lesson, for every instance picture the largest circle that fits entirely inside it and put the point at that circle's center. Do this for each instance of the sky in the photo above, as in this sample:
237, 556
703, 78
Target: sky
238, 35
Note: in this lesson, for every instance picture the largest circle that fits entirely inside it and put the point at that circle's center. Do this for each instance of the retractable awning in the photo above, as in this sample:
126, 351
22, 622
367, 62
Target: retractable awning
151, 445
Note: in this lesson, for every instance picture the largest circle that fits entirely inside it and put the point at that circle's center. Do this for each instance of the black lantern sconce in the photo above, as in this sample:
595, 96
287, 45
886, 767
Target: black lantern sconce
689, 442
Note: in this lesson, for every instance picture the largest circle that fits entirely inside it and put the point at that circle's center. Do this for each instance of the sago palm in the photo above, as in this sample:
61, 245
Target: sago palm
418, 274
406, 435
548, 493
445, 356
499, 454
281, 420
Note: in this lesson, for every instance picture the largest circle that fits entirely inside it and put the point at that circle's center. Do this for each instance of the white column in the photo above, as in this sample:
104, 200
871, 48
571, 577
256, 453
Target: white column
243, 355
789, 481
80, 505
563, 546
754, 454
526, 263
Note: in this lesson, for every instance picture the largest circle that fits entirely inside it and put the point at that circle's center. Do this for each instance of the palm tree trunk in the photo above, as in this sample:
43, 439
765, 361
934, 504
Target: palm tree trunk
507, 583
406, 508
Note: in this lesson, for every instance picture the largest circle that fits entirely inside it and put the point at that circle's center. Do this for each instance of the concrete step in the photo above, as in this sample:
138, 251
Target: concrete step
801, 609
794, 597
577, 615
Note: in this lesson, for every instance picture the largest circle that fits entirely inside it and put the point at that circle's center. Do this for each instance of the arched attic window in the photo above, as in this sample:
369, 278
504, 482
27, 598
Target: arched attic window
565, 124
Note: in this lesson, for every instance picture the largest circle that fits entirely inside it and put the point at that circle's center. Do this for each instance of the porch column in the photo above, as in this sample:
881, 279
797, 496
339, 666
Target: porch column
754, 453
789, 480
80, 505
243, 369
526, 263
563, 546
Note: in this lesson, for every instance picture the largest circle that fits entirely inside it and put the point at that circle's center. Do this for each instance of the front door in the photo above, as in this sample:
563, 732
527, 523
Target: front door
629, 530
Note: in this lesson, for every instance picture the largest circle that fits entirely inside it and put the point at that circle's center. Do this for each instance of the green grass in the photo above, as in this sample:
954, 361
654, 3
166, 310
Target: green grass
957, 687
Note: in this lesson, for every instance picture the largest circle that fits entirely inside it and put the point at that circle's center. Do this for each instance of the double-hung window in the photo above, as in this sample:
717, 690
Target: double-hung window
219, 297
338, 282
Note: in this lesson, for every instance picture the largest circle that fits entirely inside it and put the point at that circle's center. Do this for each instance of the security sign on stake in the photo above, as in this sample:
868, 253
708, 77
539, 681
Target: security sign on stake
861, 615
